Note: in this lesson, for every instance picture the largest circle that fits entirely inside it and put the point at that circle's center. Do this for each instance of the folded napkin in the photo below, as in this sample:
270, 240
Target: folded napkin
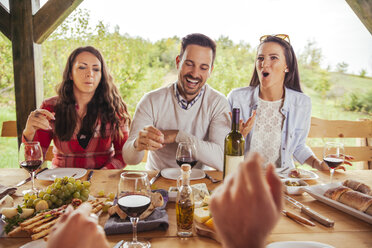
157, 220
6, 191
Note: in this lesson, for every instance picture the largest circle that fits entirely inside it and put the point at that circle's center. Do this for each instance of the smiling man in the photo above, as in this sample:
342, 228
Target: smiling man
187, 110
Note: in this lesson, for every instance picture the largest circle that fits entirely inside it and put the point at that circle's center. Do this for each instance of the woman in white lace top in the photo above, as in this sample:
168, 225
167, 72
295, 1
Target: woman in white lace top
276, 114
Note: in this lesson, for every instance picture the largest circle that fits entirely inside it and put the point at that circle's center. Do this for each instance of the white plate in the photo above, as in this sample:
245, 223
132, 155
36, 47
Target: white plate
298, 244
52, 174
318, 193
40, 243
174, 173
305, 174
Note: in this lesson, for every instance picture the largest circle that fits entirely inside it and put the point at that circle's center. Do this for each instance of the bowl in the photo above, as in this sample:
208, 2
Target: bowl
294, 186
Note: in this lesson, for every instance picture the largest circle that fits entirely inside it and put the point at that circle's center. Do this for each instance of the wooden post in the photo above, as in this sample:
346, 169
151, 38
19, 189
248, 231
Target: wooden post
27, 62
363, 9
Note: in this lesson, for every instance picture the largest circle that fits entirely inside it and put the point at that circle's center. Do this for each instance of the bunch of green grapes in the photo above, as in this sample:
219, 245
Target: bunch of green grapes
61, 192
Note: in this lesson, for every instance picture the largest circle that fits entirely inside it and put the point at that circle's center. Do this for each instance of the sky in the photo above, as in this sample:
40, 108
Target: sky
332, 24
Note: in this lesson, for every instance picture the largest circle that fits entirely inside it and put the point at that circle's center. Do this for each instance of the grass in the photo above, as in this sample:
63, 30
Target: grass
322, 108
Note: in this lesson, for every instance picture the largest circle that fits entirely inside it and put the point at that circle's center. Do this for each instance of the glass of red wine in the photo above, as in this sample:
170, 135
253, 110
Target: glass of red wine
186, 154
134, 198
333, 156
30, 157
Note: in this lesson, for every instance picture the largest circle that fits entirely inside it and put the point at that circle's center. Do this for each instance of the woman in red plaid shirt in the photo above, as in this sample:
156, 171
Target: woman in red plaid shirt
87, 121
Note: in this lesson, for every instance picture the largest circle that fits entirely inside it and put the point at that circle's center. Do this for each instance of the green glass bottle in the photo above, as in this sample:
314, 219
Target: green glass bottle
234, 146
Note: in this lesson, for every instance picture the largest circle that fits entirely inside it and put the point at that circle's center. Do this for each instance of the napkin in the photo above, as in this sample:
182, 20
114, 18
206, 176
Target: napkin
157, 220
6, 191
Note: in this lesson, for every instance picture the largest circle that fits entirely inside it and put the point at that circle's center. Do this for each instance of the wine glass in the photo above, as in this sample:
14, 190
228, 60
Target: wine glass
186, 154
134, 198
333, 156
30, 157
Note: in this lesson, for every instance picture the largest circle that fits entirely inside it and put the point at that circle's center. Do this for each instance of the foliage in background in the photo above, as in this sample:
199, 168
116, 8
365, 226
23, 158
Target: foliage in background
358, 101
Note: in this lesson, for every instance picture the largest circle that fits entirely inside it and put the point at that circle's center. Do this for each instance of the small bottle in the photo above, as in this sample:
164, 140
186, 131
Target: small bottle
184, 203
234, 146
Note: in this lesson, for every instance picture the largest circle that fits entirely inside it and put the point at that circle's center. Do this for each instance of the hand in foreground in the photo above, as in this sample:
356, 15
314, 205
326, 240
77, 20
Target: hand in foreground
149, 138
76, 229
247, 206
322, 166
38, 119
246, 127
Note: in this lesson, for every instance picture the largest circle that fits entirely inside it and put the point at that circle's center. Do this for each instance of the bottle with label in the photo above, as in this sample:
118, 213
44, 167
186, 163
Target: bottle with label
184, 203
234, 145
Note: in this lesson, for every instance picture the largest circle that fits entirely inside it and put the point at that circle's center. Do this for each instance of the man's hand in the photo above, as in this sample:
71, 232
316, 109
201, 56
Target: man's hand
76, 228
247, 206
169, 136
149, 138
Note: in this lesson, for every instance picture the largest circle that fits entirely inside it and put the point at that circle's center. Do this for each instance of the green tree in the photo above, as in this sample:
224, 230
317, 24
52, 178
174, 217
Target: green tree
342, 67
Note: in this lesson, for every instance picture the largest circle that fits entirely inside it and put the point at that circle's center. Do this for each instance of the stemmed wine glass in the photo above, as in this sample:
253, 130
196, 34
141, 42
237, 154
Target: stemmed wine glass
333, 156
134, 198
186, 154
30, 157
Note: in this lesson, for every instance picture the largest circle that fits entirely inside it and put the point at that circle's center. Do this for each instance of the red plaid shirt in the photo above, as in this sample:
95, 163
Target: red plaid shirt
101, 153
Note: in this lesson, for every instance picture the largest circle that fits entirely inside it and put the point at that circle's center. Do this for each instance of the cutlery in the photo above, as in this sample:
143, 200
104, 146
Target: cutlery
298, 218
212, 179
283, 170
90, 174
311, 213
29, 178
154, 178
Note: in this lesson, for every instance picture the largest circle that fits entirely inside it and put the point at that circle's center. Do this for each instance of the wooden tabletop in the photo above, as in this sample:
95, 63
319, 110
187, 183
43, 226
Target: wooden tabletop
347, 232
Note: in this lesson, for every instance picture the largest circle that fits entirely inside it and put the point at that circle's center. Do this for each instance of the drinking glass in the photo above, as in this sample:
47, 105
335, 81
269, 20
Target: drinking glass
186, 154
30, 157
134, 198
333, 156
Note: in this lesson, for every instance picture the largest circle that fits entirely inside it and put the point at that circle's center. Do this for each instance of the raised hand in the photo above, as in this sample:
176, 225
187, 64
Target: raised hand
149, 138
246, 127
38, 119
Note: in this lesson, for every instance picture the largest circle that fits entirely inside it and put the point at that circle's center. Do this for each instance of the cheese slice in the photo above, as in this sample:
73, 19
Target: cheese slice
199, 191
6, 202
202, 214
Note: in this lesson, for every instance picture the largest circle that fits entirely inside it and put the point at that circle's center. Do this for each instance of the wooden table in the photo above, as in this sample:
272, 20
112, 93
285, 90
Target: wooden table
347, 232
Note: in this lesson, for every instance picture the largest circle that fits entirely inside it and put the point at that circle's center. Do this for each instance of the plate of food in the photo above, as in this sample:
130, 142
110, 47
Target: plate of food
40, 243
174, 173
299, 174
50, 175
344, 198
295, 244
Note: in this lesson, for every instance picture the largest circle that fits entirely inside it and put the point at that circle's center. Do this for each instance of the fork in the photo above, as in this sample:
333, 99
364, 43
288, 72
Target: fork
213, 180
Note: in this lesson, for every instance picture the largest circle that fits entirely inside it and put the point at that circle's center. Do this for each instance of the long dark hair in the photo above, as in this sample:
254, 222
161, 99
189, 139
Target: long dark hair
292, 77
106, 104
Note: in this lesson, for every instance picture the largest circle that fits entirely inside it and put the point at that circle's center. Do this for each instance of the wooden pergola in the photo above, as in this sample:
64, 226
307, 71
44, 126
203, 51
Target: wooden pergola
28, 26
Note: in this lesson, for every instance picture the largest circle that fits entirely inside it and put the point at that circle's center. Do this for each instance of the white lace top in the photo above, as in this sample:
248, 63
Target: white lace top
266, 138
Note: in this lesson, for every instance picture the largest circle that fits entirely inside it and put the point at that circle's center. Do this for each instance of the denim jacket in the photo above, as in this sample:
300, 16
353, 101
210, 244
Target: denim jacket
297, 117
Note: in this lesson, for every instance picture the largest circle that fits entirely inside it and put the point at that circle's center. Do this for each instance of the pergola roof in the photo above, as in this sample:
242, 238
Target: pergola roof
27, 26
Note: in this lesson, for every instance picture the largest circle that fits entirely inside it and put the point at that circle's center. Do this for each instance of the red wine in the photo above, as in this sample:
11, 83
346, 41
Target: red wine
31, 165
333, 162
185, 160
134, 205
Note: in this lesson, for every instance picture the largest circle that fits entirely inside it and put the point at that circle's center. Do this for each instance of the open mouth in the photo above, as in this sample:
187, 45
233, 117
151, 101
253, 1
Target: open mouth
192, 81
265, 74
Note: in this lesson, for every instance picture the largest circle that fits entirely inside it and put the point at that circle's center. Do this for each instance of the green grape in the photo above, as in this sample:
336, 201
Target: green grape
101, 193
58, 186
111, 196
29, 202
57, 180
71, 179
63, 188
46, 197
49, 190
26, 196
33, 197
69, 186
76, 194
84, 198
86, 184
78, 182
36, 201
53, 198
50, 204
41, 194
85, 193
59, 202
61, 195
78, 187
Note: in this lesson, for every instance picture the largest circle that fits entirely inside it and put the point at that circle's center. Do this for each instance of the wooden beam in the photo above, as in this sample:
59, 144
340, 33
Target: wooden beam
50, 16
363, 9
27, 62
5, 22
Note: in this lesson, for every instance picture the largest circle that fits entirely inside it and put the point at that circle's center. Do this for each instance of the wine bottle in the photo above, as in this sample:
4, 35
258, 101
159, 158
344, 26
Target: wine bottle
234, 145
